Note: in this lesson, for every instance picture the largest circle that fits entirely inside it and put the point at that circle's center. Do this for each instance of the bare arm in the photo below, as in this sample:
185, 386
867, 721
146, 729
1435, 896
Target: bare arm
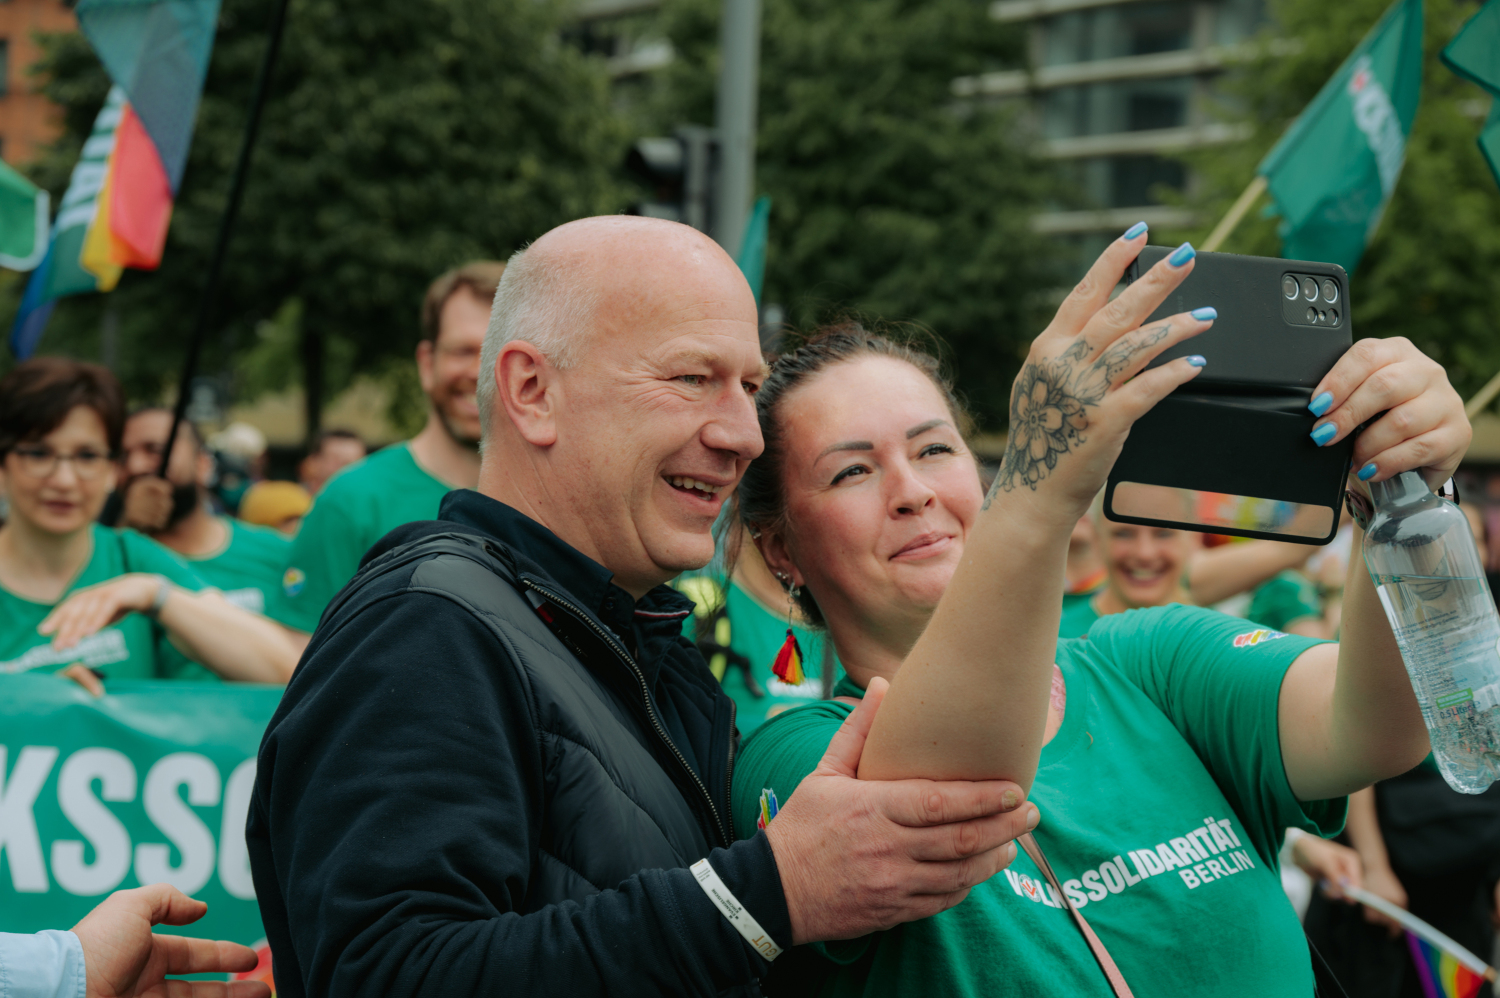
1071, 408
234, 643
1218, 573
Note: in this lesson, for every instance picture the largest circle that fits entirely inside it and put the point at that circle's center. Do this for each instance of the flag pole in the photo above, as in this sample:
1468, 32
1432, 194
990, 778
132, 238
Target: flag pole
226, 228
1236, 212
1483, 398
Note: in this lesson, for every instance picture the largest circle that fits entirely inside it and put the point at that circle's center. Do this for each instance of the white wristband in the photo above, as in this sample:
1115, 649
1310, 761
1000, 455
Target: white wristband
729, 906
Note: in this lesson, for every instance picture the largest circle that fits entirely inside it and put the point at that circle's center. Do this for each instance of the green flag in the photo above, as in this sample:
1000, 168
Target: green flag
752, 258
1474, 54
23, 221
1333, 172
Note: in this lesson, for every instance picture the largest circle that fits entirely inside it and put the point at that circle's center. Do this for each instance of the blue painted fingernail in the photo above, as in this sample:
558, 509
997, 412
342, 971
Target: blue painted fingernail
1367, 472
1197, 360
1320, 405
1205, 313
1182, 254
1134, 230
1324, 432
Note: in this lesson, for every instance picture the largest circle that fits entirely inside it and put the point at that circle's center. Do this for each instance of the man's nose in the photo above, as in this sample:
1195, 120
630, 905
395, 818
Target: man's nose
735, 427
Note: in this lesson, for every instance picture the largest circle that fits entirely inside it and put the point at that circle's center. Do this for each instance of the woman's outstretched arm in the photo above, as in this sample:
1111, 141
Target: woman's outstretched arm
970, 701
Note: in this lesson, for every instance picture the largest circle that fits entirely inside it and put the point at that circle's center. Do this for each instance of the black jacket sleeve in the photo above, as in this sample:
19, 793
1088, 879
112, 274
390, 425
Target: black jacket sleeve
397, 810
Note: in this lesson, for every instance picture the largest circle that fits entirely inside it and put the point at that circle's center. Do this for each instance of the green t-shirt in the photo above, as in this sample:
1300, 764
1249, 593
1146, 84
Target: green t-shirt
358, 506
1078, 615
1163, 800
751, 630
135, 648
1287, 597
247, 570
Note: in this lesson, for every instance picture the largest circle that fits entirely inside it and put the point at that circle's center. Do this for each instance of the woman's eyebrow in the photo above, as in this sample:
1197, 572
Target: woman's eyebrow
846, 445
921, 428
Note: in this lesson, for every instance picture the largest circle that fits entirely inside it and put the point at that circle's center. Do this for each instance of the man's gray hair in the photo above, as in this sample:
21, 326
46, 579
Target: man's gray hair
540, 300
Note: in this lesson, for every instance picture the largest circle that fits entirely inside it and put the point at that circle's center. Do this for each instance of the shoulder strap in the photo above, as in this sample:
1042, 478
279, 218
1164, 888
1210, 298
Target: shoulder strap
1106, 962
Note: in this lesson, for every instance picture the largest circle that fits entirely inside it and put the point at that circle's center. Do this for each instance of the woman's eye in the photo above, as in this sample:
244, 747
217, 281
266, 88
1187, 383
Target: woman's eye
932, 449
849, 472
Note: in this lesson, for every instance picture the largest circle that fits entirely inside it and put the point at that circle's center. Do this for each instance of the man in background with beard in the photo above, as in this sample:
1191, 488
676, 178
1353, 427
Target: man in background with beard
406, 481
240, 559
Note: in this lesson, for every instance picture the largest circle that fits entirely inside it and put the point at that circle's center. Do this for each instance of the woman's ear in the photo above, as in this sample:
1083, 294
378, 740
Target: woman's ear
773, 550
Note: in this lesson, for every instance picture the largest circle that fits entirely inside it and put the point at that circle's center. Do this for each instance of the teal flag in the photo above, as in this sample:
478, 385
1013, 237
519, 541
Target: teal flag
1333, 172
157, 52
24, 213
1474, 54
752, 257
149, 783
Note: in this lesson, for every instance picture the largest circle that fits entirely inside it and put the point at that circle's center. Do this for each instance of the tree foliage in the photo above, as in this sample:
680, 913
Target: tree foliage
889, 199
399, 139
1432, 271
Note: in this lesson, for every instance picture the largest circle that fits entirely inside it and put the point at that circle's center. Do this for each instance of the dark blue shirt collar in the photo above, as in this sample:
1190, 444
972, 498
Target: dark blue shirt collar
645, 623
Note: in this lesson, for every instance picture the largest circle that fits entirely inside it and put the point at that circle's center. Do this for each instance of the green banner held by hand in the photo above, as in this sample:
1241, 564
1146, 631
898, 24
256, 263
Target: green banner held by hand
1333, 172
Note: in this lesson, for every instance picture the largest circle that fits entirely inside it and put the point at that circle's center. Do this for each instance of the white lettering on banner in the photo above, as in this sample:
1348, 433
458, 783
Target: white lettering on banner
1376, 117
19, 842
1189, 854
234, 857
111, 843
178, 822
100, 648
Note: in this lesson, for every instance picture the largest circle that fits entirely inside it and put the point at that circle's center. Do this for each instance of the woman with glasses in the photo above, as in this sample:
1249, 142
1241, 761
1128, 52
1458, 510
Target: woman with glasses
84, 600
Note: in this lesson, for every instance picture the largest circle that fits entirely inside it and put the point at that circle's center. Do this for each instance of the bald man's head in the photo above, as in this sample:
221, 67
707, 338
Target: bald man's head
615, 386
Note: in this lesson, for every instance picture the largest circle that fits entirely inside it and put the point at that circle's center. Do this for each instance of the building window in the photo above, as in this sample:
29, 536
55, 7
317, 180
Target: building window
1124, 106
1114, 32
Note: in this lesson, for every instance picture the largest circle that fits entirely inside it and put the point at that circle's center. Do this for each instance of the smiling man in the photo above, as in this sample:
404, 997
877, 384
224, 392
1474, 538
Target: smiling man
500, 768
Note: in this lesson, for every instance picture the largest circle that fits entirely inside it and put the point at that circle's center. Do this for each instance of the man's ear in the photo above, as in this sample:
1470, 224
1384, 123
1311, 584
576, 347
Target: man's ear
526, 387
773, 551
424, 366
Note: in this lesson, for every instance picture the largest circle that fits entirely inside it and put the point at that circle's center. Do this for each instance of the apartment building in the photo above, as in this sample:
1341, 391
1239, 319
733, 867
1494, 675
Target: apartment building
1116, 89
28, 121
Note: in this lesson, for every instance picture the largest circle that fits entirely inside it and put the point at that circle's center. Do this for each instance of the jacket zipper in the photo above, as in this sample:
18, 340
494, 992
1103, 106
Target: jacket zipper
661, 731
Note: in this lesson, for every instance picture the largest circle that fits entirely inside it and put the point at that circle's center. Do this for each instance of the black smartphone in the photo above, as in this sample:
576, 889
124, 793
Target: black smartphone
1230, 452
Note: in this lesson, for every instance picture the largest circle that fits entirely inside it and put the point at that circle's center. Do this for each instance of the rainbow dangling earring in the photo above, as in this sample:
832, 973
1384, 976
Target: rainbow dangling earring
788, 665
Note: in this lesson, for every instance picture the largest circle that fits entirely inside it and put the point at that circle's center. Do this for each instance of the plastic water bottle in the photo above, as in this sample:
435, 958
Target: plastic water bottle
1426, 569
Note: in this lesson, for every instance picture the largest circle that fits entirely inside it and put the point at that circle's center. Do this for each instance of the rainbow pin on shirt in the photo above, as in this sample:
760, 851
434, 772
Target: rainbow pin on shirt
768, 808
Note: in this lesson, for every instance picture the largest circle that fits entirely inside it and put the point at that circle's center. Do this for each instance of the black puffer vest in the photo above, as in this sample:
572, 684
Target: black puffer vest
619, 797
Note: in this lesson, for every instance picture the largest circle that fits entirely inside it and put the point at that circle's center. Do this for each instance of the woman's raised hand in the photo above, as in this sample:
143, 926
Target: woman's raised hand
96, 607
1082, 386
1423, 426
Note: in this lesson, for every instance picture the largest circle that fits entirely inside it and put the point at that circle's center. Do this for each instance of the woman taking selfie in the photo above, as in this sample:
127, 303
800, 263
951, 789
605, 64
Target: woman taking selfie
83, 599
1165, 757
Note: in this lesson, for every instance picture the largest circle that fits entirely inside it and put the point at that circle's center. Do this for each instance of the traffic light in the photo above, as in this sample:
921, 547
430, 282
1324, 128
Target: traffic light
682, 173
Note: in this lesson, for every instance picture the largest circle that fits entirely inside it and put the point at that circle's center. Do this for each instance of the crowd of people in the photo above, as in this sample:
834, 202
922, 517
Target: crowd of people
537, 701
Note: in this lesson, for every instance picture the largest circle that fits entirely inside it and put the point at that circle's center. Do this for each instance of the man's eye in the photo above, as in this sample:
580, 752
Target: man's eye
750, 387
692, 379
849, 472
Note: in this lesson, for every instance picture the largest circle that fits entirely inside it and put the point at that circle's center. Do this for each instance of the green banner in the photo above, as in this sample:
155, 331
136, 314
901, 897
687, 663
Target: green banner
149, 783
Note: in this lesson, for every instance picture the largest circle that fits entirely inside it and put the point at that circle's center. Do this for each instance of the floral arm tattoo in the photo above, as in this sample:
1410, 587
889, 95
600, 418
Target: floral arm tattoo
1049, 405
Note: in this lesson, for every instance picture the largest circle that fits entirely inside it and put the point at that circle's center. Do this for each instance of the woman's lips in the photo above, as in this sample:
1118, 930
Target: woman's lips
924, 547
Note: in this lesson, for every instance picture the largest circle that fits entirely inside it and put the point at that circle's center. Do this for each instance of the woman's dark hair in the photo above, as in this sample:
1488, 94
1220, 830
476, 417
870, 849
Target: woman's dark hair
37, 395
761, 496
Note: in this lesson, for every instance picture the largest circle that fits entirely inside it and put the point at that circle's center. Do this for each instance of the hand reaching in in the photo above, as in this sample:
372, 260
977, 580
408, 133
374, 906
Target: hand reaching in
93, 608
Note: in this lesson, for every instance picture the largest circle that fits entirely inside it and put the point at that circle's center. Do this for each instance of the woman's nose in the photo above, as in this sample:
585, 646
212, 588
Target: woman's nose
909, 493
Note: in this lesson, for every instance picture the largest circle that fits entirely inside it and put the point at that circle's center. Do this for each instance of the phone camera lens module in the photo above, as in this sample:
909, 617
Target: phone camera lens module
1322, 316
1330, 291
1289, 286
1309, 289
1333, 317
1312, 315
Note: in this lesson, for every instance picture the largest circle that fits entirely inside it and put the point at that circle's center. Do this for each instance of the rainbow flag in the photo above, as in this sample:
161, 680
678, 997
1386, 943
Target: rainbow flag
1441, 973
118, 204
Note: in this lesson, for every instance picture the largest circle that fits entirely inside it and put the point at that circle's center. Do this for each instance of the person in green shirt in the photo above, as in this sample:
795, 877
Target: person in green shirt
736, 626
1167, 751
1289, 602
404, 482
243, 561
82, 599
